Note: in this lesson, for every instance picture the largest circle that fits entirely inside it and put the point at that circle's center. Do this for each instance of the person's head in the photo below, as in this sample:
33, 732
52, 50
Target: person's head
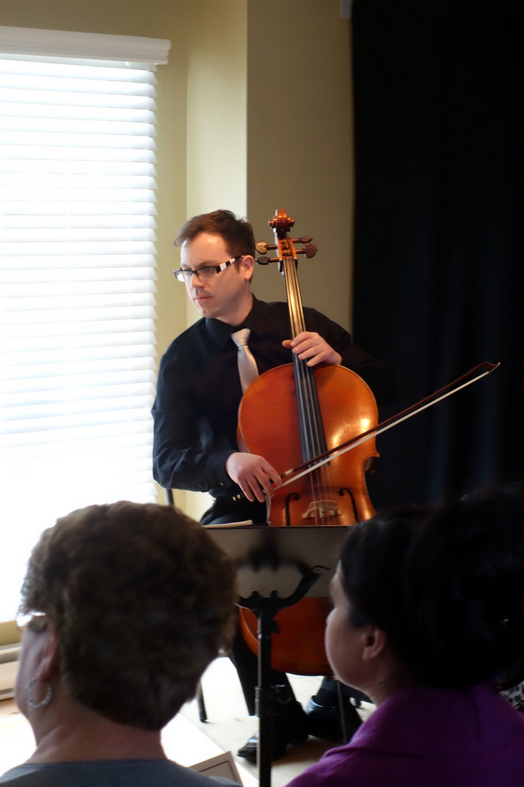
444, 587
211, 240
137, 599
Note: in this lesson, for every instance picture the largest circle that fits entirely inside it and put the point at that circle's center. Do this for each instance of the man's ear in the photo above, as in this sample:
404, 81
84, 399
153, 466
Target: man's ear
247, 266
374, 641
49, 657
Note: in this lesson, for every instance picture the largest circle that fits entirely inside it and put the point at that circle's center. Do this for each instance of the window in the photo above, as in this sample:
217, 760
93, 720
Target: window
77, 272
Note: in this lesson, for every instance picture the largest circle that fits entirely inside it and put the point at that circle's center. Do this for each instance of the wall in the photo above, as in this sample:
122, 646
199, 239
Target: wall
300, 142
216, 107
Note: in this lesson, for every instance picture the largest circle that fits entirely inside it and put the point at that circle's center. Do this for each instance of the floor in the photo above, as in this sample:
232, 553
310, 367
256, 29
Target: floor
186, 739
229, 725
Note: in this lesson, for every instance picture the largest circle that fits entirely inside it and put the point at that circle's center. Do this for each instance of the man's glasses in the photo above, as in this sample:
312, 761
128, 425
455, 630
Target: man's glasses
203, 274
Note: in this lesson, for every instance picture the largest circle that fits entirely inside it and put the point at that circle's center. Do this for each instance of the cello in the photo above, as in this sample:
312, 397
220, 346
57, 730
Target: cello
311, 410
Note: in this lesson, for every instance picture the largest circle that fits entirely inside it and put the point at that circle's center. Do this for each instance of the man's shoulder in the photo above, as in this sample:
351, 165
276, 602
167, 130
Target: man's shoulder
267, 315
282, 307
265, 307
193, 333
266, 311
187, 341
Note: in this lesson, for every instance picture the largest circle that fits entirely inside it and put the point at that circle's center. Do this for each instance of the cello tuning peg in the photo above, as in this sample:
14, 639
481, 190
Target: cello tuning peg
305, 239
310, 250
262, 247
263, 260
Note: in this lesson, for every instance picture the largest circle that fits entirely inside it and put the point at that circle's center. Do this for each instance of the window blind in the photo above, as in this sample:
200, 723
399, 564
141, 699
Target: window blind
77, 294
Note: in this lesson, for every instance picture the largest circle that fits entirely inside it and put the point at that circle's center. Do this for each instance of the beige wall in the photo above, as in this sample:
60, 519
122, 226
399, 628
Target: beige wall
216, 110
300, 142
254, 114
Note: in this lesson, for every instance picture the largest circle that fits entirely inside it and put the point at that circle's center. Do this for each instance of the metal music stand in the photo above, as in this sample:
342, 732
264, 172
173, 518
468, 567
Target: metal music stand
276, 567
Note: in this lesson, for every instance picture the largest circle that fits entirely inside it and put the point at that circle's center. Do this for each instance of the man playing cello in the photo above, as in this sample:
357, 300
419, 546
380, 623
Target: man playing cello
198, 395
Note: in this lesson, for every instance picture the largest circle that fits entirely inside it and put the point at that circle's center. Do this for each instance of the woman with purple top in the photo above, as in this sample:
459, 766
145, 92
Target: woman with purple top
428, 621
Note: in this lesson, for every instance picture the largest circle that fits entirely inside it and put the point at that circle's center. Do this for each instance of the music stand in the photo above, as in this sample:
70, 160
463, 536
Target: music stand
276, 567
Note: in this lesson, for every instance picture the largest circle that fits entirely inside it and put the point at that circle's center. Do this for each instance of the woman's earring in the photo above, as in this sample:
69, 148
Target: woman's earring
28, 691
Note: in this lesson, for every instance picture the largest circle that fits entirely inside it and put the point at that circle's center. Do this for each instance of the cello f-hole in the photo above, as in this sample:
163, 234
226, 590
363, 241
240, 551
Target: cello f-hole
344, 490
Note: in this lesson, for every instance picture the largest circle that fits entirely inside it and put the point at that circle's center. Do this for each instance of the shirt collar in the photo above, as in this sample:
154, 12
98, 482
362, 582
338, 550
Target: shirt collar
221, 331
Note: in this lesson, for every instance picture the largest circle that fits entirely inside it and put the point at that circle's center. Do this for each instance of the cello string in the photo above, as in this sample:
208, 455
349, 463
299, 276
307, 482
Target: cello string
314, 441
316, 429
311, 408
302, 389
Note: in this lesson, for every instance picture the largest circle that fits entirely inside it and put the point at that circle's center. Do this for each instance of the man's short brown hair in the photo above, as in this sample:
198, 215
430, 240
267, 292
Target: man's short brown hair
236, 233
141, 598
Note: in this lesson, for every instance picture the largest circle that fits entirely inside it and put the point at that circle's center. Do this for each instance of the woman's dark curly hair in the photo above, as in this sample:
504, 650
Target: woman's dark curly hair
447, 585
141, 598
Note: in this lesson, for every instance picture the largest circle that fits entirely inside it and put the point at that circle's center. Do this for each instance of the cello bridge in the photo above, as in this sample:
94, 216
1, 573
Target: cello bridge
320, 509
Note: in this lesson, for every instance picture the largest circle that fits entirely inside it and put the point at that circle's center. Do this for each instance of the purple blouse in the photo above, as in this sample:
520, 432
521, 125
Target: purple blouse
430, 738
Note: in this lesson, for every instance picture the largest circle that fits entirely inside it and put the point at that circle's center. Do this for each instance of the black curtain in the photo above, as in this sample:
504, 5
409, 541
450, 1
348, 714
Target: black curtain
439, 232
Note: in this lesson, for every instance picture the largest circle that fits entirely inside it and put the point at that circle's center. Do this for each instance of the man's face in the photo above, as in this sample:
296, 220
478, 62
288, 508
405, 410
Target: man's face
226, 295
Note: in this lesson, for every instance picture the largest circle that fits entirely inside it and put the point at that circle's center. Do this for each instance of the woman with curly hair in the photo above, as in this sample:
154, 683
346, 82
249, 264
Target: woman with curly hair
428, 621
126, 605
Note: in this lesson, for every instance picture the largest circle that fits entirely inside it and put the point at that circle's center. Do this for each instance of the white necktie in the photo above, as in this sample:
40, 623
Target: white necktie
247, 366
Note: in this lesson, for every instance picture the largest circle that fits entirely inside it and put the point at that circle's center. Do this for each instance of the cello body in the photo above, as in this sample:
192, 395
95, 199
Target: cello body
348, 408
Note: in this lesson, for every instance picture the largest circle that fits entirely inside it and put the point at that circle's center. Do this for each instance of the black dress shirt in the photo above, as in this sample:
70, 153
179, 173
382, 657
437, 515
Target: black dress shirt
198, 392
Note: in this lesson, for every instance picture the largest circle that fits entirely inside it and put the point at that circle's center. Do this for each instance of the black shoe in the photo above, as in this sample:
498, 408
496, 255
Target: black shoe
249, 750
289, 727
323, 721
